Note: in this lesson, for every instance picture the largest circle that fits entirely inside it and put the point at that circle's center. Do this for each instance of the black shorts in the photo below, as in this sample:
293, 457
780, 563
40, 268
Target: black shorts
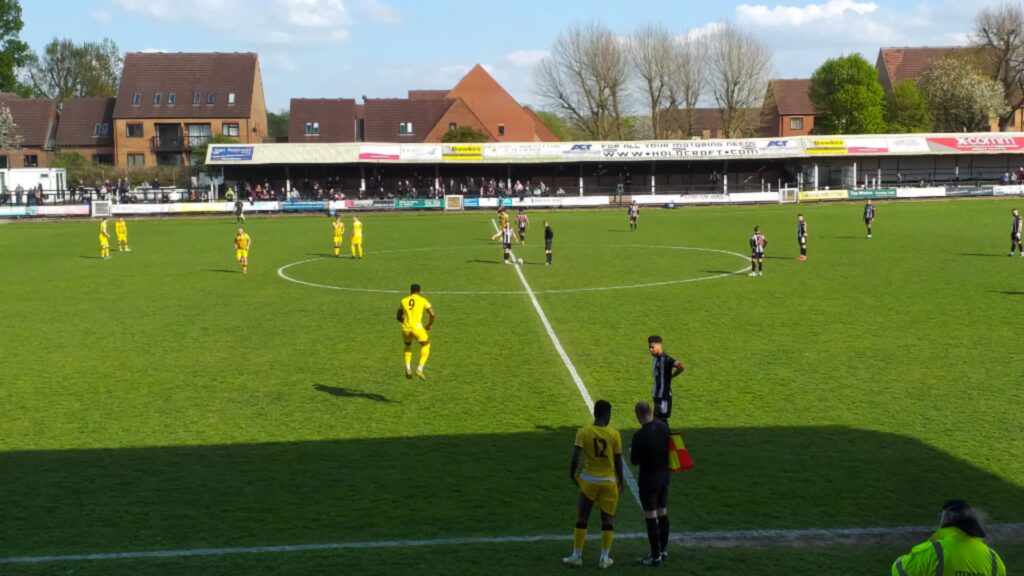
663, 409
507, 245
653, 494
757, 256
1014, 237
868, 221
547, 244
802, 240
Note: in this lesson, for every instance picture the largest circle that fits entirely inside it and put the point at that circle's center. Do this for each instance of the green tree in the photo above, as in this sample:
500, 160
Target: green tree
277, 125
961, 98
77, 166
465, 134
199, 152
13, 52
906, 110
65, 69
557, 125
849, 100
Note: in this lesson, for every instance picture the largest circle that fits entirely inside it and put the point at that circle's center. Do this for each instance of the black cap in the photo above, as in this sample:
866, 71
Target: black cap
960, 514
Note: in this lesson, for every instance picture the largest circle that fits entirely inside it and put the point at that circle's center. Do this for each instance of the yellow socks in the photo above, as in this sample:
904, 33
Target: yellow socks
606, 541
579, 537
408, 356
424, 354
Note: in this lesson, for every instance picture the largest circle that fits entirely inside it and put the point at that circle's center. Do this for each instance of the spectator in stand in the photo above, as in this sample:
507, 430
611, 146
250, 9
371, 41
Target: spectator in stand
18, 193
543, 188
1005, 180
1020, 175
517, 189
560, 191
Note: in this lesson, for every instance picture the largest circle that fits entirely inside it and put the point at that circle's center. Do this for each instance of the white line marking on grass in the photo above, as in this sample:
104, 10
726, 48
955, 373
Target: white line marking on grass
281, 272
627, 473
711, 538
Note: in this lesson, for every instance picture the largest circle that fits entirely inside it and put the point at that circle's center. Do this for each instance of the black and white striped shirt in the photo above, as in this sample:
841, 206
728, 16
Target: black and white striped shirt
663, 367
506, 235
1017, 225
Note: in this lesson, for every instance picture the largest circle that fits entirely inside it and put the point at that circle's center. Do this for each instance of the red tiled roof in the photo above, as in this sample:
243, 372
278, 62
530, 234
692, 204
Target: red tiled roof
792, 97
428, 94
337, 119
540, 128
184, 75
382, 117
36, 119
78, 120
495, 106
898, 64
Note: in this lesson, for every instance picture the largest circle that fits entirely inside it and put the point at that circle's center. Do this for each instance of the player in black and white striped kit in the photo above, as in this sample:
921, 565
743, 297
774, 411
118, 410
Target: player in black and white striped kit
1015, 233
507, 237
801, 236
869, 216
757, 245
665, 368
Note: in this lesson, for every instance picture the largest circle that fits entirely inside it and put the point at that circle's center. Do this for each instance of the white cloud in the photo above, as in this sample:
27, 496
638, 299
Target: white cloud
154, 51
102, 16
380, 12
526, 58
702, 32
281, 22
283, 62
781, 16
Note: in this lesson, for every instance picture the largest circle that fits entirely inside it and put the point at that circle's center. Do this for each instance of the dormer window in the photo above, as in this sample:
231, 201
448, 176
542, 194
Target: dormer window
137, 99
158, 99
171, 97
231, 98
211, 97
405, 129
197, 99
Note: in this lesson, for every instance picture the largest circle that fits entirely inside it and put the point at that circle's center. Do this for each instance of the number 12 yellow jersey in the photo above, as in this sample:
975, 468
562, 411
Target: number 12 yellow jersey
600, 445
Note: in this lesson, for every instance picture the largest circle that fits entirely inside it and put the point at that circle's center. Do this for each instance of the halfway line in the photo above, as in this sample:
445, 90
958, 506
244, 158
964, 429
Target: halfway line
627, 473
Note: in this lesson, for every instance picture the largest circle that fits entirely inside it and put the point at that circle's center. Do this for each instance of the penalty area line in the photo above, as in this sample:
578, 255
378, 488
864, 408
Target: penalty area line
580, 385
707, 539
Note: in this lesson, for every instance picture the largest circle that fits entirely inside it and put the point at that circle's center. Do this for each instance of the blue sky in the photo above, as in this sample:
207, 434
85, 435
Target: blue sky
382, 48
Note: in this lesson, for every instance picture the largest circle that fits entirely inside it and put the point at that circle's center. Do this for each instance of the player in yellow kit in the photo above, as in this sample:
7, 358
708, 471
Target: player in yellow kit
104, 240
356, 244
338, 228
121, 229
410, 314
600, 481
502, 222
242, 245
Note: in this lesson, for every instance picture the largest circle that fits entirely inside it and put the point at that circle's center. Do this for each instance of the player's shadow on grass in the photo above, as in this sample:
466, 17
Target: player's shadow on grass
978, 255
1008, 292
322, 255
847, 237
385, 484
346, 393
224, 271
478, 261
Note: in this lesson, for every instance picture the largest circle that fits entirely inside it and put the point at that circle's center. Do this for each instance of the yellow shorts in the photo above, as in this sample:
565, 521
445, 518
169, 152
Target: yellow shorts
418, 334
605, 494
357, 241
122, 238
103, 240
239, 254
338, 240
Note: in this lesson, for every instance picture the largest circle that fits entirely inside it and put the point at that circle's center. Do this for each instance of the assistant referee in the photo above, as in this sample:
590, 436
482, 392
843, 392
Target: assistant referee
649, 451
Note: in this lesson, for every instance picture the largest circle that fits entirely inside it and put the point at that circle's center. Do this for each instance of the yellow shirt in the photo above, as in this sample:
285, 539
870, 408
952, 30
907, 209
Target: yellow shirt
339, 229
242, 241
600, 445
503, 219
121, 228
413, 307
357, 230
103, 228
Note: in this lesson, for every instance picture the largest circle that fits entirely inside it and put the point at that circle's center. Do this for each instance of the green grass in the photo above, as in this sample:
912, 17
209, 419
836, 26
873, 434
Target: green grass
161, 400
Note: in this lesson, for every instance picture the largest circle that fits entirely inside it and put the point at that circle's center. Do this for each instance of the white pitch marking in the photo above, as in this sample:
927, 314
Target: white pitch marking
627, 473
740, 538
281, 273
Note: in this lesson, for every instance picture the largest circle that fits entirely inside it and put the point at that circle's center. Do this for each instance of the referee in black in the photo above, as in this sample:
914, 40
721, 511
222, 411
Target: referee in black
665, 368
649, 451
549, 236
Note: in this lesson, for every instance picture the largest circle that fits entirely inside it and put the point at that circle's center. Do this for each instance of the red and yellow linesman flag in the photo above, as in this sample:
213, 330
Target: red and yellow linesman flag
678, 456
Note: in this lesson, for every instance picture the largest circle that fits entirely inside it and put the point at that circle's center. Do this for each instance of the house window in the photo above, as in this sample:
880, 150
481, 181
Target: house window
101, 129
453, 127
103, 159
31, 161
230, 130
134, 130
796, 123
197, 99
211, 97
158, 98
312, 128
231, 98
137, 99
501, 129
171, 97
3, 162
405, 128
136, 160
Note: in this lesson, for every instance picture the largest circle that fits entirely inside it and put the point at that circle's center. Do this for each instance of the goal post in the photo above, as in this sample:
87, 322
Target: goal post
102, 209
453, 202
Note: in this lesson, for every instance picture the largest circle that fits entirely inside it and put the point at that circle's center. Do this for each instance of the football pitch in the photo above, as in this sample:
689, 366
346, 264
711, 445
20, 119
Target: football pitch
162, 401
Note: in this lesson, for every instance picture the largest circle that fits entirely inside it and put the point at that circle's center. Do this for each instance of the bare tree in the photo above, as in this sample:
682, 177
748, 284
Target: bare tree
585, 79
739, 67
999, 33
689, 80
652, 54
10, 139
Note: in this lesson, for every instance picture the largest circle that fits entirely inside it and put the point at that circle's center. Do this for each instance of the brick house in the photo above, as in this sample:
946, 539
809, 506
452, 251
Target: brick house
36, 122
787, 110
170, 104
477, 101
86, 127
